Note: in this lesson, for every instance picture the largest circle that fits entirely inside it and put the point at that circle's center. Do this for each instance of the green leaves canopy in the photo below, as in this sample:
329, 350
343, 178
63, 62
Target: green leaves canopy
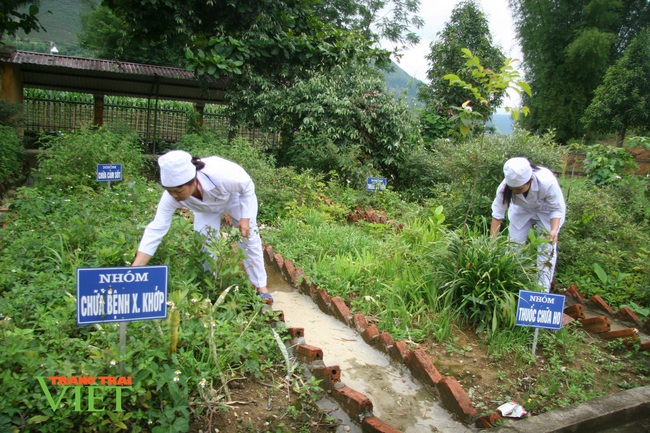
568, 45
14, 17
622, 101
272, 38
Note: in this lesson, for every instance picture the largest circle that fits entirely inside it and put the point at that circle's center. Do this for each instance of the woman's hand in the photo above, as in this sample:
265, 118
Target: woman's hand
244, 226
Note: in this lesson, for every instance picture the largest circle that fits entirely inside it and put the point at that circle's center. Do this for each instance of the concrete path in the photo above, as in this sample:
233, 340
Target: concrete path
625, 412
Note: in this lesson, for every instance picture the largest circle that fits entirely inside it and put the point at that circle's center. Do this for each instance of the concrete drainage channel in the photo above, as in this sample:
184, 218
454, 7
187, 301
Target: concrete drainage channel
369, 378
396, 399
369, 390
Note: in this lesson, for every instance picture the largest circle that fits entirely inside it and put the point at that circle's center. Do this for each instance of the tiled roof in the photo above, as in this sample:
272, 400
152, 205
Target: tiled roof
112, 77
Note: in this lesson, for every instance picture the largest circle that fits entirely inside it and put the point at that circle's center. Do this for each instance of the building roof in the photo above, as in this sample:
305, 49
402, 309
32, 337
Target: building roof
111, 77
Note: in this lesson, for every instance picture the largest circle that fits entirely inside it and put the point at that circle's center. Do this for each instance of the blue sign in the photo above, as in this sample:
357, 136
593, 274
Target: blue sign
376, 184
109, 172
127, 294
540, 310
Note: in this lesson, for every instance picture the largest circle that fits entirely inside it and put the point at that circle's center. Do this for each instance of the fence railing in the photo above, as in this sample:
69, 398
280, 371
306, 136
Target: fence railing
166, 123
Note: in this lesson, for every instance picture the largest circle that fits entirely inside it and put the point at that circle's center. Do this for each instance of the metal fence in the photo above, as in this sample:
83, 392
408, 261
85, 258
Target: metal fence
165, 122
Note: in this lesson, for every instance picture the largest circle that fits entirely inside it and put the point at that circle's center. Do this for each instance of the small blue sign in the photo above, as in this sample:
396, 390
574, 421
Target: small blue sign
106, 295
109, 172
376, 184
540, 310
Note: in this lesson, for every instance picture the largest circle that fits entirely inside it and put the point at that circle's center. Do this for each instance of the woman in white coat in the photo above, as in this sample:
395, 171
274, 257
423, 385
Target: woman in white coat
208, 187
532, 196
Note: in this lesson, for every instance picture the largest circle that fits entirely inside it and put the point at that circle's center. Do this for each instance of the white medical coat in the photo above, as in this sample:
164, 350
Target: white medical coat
226, 188
543, 202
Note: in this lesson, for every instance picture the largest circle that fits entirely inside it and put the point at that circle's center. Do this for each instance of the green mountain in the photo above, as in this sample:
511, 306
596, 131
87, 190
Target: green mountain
403, 85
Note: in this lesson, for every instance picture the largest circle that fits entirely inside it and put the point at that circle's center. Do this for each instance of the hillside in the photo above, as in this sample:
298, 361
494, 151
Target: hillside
403, 85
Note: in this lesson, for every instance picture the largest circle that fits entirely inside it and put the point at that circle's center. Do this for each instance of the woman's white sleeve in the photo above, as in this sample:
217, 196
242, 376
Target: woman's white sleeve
499, 208
156, 229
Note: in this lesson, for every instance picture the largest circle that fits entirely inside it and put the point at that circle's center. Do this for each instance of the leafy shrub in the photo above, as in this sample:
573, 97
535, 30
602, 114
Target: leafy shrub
46, 237
603, 226
10, 113
10, 155
70, 160
605, 164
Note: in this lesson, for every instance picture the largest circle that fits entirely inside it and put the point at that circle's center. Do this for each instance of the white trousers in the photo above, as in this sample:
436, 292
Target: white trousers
251, 246
546, 252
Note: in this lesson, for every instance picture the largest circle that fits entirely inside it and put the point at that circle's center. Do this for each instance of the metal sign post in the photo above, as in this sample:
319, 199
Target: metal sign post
540, 310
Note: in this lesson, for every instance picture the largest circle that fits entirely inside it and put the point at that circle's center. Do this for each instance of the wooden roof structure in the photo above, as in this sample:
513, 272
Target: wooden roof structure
107, 77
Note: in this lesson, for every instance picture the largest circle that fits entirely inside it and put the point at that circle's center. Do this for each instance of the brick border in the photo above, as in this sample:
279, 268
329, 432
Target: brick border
359, 407
601, 325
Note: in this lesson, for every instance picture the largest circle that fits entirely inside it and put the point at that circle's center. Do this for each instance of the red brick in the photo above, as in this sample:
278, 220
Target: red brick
328, 375
370, 334
300, 276
596, 324
566, 319
626, 314
268, 254
455, 399
360, 322
307, 353
601, 304
354, 403
632, 333
279, 314
353, 217
400, 351
488, 421
278, 261
421, 367
576, 311
289, 272
372, 424
296, 332
340, 310
323, 300
386, 342
645, 346
575, 294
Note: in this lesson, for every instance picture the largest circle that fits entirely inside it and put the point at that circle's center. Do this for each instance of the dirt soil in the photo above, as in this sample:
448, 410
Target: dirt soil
258, 406
268, 406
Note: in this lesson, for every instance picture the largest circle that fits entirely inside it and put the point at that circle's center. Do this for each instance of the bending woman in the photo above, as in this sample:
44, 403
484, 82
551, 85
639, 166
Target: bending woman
209, 188
532, 196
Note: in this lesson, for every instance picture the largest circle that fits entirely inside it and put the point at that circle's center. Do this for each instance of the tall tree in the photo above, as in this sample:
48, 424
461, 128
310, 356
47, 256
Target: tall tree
568, 45
622, 101
467, 28
17, 15
271, 37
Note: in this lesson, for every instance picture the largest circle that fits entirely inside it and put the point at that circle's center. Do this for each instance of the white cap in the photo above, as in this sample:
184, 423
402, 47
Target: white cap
517, 172
176, 168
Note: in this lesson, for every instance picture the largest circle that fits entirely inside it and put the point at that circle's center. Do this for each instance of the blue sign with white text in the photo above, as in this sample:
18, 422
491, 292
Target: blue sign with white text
109, 172
375, 184
540, 310
106, 295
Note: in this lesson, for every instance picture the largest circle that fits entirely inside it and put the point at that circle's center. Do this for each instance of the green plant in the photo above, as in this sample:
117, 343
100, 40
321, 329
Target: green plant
480, 280
10, 155
605, 164
70, 162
